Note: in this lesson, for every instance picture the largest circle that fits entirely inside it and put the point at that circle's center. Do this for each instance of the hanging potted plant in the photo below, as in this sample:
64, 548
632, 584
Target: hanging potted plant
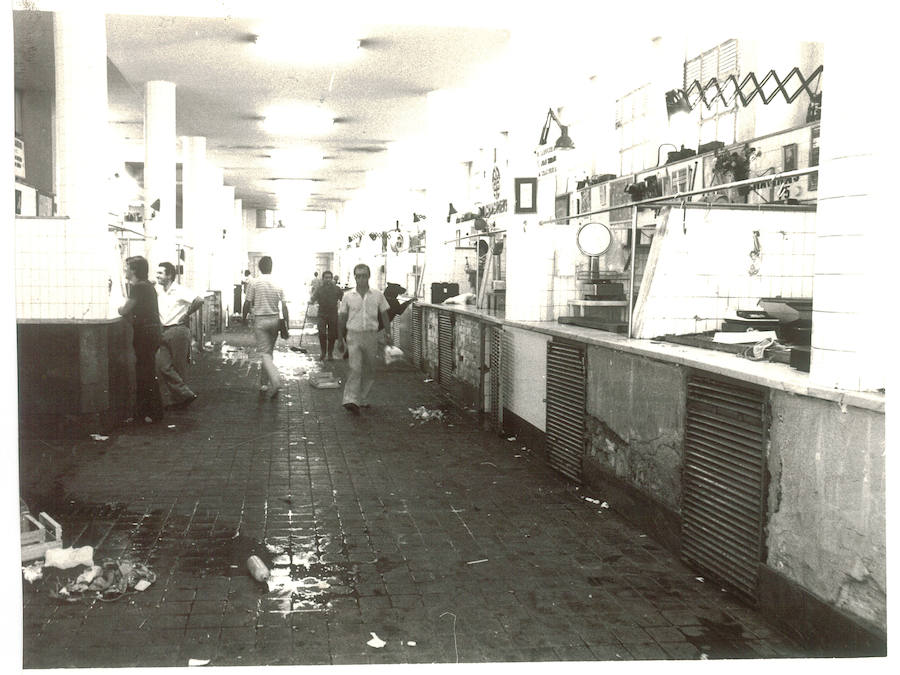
735, 166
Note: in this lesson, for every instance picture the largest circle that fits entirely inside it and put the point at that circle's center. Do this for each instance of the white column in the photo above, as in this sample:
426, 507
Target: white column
209, 234
193, 162
80, 147
159, 171
851, 325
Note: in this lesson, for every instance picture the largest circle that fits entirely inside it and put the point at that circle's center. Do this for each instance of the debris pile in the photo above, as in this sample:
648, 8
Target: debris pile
108, 581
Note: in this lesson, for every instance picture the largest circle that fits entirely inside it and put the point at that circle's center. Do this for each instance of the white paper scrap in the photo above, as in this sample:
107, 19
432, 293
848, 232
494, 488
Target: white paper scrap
592, 500
33, 572
376, 641
197, 662
411, 643
142, 585
99, 437
748, 337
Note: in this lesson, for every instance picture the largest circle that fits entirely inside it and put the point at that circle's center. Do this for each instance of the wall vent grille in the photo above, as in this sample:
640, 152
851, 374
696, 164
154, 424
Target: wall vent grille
724, 481
445, 350
417, 336
566, 385
494, 379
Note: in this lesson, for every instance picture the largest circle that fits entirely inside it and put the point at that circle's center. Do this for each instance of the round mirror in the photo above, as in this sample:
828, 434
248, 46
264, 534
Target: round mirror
593, 239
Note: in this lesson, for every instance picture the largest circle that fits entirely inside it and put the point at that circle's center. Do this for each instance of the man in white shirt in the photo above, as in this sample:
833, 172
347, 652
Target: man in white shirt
176, 304
358, 317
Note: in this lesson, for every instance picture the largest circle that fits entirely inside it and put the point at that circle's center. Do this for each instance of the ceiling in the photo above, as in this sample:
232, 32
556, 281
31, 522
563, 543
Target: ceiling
224, 86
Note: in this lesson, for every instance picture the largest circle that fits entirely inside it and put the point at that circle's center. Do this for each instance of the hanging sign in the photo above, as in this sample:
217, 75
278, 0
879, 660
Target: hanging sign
547, 158
493, 209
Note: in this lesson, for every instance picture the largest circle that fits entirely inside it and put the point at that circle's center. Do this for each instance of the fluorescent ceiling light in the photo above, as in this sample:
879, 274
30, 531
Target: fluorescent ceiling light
297, 119
296, 158
315, 44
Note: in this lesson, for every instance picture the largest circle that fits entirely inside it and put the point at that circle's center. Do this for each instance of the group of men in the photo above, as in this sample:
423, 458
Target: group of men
351, 320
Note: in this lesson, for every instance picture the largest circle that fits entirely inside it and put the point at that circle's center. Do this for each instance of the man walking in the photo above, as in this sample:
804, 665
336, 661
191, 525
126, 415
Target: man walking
327, 295
358, 315
176, 304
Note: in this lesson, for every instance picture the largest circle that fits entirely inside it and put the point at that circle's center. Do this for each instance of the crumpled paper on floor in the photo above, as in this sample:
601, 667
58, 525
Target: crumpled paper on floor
423, 414
376, 641
33, 572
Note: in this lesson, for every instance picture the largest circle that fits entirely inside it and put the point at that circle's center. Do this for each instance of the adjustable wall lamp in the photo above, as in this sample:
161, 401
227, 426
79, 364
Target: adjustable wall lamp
676, 102
563, 142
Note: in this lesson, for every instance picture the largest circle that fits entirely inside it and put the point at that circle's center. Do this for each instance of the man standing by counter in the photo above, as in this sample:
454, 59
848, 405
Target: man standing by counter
176, 304
358, 316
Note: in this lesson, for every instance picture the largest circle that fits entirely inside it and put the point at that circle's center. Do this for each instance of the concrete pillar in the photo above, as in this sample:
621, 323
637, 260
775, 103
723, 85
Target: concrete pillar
193, 163
224, 234
79, 41
850, 319
209, 233
159, 171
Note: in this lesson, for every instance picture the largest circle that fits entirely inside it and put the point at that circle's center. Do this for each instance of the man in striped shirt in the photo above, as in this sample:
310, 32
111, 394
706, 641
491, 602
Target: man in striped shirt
266, 298
358, 315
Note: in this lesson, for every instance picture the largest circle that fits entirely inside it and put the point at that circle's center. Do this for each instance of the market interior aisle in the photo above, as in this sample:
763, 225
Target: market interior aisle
445, 540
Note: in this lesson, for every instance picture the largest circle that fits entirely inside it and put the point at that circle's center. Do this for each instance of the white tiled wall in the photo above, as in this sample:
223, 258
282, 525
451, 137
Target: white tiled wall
62, 270
703, 268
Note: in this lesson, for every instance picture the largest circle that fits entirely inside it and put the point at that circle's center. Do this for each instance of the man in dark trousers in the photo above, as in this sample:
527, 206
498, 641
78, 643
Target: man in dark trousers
327, 295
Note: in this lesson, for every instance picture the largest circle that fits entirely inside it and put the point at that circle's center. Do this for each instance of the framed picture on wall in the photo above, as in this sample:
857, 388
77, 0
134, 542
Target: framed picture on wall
789, 157
526, 195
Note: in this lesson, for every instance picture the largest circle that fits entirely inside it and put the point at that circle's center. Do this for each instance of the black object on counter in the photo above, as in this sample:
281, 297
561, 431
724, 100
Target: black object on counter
800, 357
442, 290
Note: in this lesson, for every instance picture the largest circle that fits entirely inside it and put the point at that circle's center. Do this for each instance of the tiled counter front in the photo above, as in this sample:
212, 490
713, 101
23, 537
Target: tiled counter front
74, 375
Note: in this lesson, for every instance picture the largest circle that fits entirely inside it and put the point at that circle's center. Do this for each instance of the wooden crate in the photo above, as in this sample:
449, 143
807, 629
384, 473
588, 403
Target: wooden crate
38, 535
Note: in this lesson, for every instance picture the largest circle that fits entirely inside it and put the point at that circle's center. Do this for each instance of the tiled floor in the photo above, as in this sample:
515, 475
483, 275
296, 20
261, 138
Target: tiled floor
448, 542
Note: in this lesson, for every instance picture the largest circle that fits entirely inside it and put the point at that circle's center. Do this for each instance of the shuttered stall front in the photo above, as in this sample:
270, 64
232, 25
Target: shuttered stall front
495, 403
445, 350
566, 384
724, 481
417, 336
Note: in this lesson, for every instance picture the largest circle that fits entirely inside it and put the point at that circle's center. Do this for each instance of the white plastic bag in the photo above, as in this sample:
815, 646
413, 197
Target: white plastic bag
392, 354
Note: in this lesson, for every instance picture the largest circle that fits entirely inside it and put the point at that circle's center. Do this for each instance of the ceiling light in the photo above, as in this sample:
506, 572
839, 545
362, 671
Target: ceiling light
284, 42
297, 119
296, 158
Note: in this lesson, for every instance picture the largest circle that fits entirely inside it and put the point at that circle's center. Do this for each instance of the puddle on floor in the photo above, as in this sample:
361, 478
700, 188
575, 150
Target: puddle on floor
301, 582
292, 365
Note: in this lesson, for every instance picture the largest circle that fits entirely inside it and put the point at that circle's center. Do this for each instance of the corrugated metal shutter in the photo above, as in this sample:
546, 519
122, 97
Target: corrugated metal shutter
445, 350
724, 481
417, 336
566, 383
494, 377
395, 332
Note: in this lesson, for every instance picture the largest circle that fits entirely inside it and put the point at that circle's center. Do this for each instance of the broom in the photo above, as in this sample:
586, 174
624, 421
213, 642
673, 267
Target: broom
299, 349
